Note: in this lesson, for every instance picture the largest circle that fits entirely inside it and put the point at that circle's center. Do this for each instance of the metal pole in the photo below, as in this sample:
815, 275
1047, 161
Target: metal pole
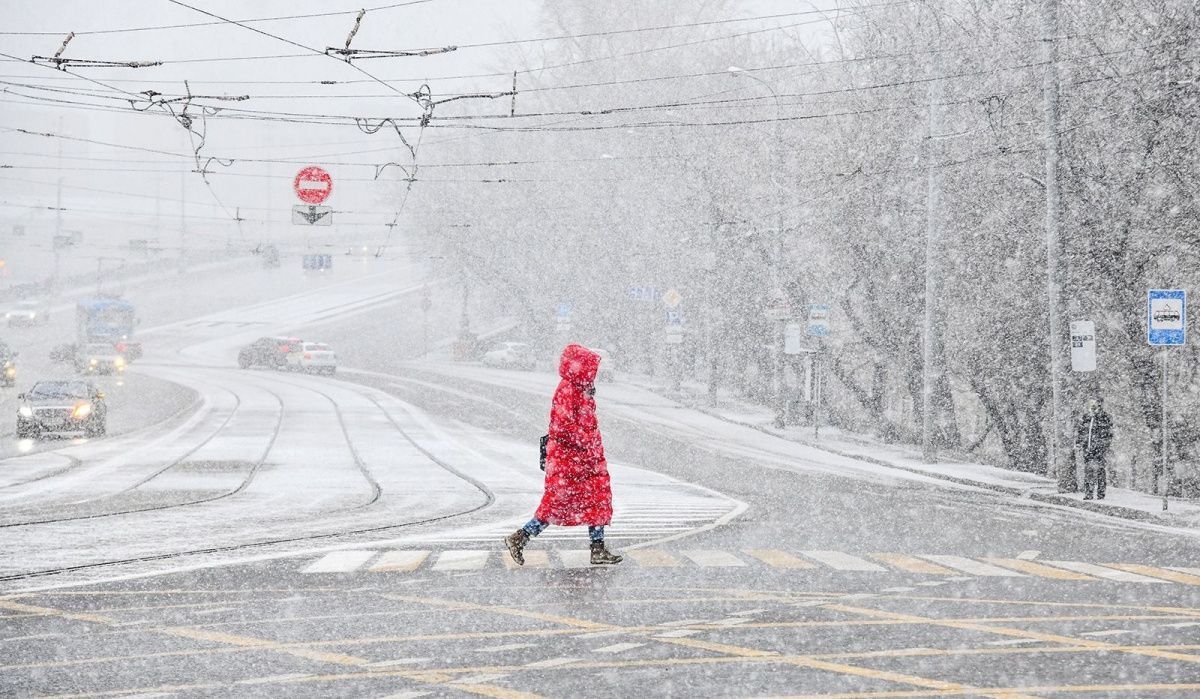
931, 362
1055, 464
1166, 481
776, 276
816, 363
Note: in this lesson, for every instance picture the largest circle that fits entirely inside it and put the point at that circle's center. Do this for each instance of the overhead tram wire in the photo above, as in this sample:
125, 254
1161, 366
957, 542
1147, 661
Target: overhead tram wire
302, 117
126, 30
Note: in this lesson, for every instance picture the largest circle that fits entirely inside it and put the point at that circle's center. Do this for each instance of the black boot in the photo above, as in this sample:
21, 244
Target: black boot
602, 556
516, 544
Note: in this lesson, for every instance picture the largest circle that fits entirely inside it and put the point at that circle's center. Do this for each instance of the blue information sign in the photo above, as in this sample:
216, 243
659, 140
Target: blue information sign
1166, 317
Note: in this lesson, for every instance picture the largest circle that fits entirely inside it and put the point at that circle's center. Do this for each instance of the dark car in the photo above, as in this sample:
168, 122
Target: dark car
62, 407
270, 352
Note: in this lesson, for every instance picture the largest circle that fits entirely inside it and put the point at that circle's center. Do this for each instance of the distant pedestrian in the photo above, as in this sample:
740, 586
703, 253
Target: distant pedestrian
1093, 437
577, 489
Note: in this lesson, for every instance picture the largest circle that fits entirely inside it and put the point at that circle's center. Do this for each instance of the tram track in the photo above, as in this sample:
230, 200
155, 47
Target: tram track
488, 499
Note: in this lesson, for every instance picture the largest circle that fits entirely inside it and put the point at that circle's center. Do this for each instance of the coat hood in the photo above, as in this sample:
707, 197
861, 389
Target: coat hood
578, 365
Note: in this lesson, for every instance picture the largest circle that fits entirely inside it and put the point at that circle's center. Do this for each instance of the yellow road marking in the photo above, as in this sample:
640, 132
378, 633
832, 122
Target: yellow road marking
214, 637
508, 611
1016, 633
911, 564
1038, 569
257, 643
399, 561
737, 651
1004, 692
653, 558
533, 559
1162, 573
47, 611
818, 664
780, 559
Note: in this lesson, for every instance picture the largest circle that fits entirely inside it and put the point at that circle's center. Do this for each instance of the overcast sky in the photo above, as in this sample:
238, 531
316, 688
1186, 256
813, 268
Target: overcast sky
142, 193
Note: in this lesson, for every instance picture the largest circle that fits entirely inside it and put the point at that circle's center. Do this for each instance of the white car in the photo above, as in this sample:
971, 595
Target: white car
28, 313
510, 355
313, 357
99, 358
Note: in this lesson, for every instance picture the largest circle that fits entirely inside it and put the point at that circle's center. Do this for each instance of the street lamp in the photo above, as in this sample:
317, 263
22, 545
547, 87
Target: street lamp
776, 277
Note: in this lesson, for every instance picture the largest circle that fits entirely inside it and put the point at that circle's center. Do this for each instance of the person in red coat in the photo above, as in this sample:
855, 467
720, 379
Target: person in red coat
577, 490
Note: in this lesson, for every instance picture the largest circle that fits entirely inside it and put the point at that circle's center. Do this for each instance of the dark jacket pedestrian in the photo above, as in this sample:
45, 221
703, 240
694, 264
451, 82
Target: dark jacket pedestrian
578, 490
1093, 437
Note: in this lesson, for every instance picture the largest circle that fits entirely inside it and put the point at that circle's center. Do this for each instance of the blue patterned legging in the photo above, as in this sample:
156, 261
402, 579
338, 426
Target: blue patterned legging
536, 526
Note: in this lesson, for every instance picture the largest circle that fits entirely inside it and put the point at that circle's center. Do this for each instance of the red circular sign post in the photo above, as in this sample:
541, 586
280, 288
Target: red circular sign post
313, 185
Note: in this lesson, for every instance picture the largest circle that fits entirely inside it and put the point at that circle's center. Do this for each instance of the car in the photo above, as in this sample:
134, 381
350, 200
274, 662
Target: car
313, 357
8, 362
270, 352
28, 313
510, 355
62, 407
99, 358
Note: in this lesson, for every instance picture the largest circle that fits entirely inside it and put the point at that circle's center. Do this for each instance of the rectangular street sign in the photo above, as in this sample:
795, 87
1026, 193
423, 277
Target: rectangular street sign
1166, 317
307, 215
818, 320
1083, 345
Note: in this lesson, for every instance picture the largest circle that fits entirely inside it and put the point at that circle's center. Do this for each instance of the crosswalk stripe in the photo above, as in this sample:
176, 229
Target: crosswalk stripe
618, 648
1152, 571
1102, 572
910, 564
575, 558
710, 558
779, 559
461, 560
1026, 566
653, 558
552, 662
340, 562
974, 567
842, 561
533, 559
399, 561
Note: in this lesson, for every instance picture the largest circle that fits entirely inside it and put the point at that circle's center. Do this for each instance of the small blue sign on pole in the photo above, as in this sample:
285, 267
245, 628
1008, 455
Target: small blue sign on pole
1166, 317
563, 312
674, 318
818, 320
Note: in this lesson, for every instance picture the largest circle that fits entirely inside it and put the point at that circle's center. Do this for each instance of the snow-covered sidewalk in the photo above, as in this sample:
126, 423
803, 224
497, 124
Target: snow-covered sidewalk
1120, 502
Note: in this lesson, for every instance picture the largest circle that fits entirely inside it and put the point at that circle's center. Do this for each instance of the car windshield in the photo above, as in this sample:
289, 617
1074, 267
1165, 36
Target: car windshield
100, 349
58, 389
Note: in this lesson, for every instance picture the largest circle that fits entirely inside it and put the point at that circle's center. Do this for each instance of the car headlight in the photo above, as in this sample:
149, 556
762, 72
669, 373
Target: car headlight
93, 362
82, 410
119, 361
25, 411
10, 371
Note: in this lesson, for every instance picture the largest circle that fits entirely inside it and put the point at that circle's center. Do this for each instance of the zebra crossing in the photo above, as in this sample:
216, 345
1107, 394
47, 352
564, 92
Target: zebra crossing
935, 566
636, 520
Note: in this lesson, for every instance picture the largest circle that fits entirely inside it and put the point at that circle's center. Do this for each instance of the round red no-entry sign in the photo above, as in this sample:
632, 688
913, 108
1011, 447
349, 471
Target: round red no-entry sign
312, 185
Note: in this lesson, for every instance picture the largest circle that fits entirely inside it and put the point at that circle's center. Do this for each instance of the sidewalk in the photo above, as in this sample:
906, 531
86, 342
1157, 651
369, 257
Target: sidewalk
1118, 502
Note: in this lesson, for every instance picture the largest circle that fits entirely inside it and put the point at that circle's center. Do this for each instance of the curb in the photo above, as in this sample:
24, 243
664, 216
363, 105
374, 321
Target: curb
1049, 498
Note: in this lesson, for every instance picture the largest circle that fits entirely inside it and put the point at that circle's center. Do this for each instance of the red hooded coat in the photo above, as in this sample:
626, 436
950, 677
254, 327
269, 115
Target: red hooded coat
578, 490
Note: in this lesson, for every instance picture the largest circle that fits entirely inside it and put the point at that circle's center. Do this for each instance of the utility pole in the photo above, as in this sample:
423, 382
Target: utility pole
776, 271
183, 222
933, 349
1056, 465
